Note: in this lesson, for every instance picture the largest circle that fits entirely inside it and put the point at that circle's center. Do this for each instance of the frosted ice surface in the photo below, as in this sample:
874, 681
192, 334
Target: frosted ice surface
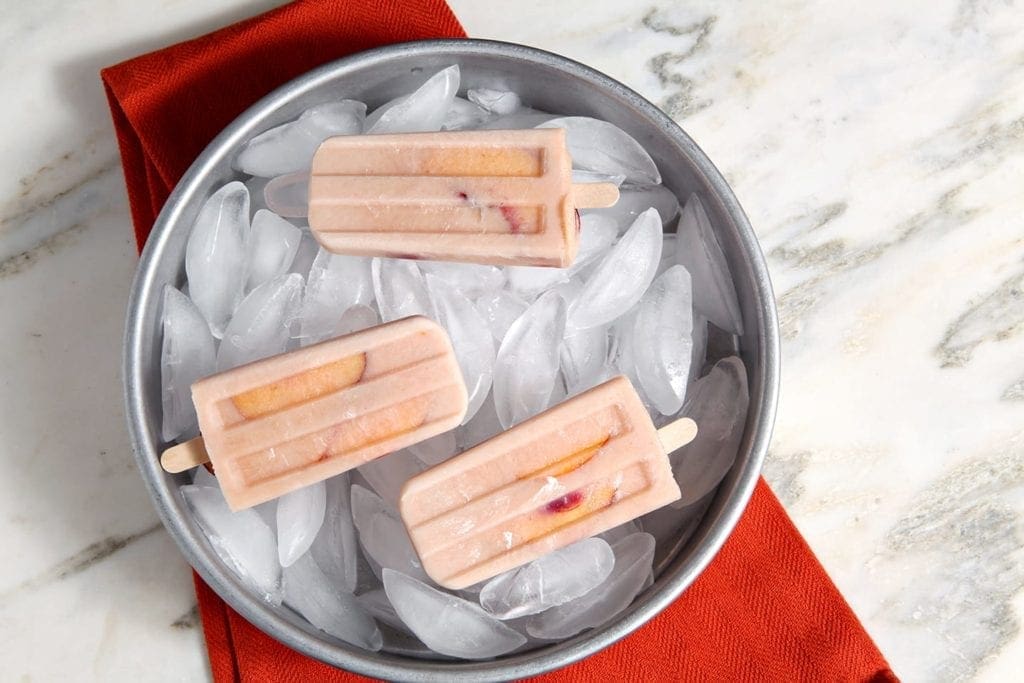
188, 353
718, 404
423, 110
290, 147
662, 340
499, 102
623, 275
300, 513
215, 255
471, 339
382, 534
633, 558
500, 310
602, 147
336, 282
260, 326
400, 289
273, 242
697, 249
312, 594
527, 362
242, 539
334, 548
549, 581
446, 623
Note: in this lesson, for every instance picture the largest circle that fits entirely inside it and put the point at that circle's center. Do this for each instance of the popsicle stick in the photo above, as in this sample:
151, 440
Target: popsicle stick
677, 434
594, 195
184, 456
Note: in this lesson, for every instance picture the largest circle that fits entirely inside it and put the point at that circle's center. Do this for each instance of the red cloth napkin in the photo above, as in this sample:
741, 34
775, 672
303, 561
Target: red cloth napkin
764, 609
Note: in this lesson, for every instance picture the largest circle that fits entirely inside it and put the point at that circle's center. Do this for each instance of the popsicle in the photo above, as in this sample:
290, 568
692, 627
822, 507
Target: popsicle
483, 196
291, 420
580, 468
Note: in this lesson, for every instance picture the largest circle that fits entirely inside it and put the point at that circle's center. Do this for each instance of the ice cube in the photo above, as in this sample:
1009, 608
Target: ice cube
288, 195
255, 186
290, 147
616, 534
529, 281
273, 242
527, 362
241, 539
400, 289
583, 356
483, 426
623, 275
387, 474
700, 347
355, 319
382, 534
472, 279
377, 605
500, 310
187, 354
471, 339
634, 200
597, 234
662, 340
551, 580
300, 513
334, 548
697, 249
423, 110
305, 254
518, 120
448, 624
260, 326
464, 114
215, 255
335, 283
312, 594
633, 558
436, 449
602, 147
718, 404
498, 102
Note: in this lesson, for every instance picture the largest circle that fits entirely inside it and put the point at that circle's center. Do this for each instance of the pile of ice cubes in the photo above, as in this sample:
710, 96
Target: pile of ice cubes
650, 285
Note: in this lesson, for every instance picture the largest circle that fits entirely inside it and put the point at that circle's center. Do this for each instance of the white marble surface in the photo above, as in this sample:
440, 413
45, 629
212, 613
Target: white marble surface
878, 153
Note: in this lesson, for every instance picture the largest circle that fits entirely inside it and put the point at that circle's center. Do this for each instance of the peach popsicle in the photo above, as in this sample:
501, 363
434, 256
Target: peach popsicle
580, 468
291, 420
499, 197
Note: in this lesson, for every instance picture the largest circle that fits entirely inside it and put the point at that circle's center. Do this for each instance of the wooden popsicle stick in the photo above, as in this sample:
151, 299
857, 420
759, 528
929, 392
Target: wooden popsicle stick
184, 456
594, 195
677, 434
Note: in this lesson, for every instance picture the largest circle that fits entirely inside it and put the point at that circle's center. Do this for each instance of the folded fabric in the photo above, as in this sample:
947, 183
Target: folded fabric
763, 610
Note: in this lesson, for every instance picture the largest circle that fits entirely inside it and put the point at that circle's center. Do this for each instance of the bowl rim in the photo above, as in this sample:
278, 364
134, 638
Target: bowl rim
669, 585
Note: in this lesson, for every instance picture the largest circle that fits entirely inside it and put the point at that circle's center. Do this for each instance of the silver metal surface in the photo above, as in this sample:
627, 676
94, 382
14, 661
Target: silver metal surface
546, 81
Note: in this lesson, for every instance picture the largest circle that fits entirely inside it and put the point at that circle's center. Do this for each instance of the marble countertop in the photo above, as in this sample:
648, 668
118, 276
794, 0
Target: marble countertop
879, 154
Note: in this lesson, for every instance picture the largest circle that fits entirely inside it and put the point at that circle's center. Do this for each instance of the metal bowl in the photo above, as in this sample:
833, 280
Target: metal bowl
548, 82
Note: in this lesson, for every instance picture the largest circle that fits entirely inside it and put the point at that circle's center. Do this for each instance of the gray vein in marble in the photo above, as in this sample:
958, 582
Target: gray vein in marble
80, 561
965, 529
996, 316
683, 102
57, 213
188, 620
831, 258
783, 470
26, 259
1015, 392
